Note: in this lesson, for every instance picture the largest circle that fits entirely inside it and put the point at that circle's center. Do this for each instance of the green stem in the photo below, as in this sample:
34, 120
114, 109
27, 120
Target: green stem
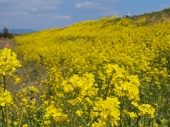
21, 119
130, 118
3, 116
144, 121
6, 107
107, 90
29, 124
6, 115
84, 121
121, 110
52, 122
4, 79
95, 119
137, 122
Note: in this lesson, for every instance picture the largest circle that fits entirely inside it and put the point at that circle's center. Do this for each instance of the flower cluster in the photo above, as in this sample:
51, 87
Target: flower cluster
9, 62
5, 97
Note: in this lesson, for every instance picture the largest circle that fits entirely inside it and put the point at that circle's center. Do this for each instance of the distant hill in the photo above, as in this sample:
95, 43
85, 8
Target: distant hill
19, 31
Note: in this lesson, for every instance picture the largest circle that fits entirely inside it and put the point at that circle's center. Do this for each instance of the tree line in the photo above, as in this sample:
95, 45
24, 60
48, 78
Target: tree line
6, 34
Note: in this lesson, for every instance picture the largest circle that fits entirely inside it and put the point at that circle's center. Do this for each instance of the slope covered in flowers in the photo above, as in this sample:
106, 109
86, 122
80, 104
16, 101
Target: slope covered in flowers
108, 72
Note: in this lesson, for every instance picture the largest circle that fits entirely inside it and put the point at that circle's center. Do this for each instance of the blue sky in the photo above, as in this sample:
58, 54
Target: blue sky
47, 14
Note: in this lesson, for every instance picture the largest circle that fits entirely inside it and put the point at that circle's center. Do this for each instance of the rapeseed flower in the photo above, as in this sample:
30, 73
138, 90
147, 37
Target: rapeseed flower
9, 61
5, 98
79, 112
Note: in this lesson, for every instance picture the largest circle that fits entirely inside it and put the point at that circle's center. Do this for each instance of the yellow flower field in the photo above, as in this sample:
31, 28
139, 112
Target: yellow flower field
111, 72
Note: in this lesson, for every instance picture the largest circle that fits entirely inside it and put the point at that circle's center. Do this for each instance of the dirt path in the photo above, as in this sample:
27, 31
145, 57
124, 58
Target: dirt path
5, 43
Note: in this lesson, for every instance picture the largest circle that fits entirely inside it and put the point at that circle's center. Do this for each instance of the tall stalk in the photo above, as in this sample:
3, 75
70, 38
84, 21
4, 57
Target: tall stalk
21, 119
6, 115
3, 116
6, 107
108, 86
4, 80
121, 111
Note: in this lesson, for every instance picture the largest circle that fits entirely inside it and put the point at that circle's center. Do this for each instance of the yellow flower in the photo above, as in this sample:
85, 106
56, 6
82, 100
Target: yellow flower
133, 115
15, 123
164, 121
155, 125
5, 97
25, 125
47, 122
146, 109
79, 112
2, 103
24, 100
56, 113
33, 89
17, 80
8, 61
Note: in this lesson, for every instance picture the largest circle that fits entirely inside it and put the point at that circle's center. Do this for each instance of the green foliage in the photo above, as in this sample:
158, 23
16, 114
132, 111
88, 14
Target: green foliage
6, 33
167, 9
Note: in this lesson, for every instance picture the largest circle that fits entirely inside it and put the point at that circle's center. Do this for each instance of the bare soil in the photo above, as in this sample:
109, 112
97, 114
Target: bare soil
5, 43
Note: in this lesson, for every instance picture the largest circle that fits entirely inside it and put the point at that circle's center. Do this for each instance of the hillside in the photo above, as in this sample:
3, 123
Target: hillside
82, 29
159, 16
110, 72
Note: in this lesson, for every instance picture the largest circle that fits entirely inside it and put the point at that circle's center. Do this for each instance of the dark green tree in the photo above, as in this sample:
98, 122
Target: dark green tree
5, 32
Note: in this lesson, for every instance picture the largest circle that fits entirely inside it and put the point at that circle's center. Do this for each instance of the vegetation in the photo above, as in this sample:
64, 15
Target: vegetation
112, 72
6, 34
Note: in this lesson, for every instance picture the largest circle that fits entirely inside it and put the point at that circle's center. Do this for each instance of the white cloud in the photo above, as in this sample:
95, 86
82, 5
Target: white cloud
87, 5
61, 17
30, 5
110, 0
